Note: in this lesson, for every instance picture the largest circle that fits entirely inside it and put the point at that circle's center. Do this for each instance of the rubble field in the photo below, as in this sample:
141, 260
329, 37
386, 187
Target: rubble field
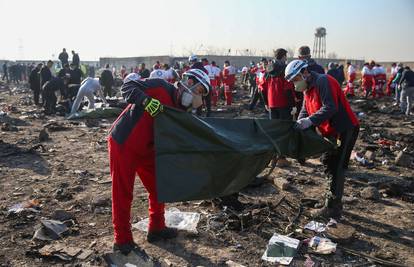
55, 201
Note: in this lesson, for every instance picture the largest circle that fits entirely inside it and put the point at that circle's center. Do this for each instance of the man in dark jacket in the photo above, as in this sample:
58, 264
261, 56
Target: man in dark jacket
49, 89
5, 72
74, 81
143, 72
34, 81
107, 80
64, 57
75, 58
407, 93
304, 54
326, 108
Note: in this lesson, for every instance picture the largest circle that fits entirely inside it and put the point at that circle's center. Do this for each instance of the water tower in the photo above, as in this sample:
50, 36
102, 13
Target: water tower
319, 44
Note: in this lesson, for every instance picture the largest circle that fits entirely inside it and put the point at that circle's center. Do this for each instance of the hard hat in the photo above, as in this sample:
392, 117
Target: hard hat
200, 76
293, 68
132, 77
192, 58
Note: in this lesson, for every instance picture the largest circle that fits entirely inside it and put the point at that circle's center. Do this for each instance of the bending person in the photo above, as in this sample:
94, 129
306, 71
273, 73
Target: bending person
88, 88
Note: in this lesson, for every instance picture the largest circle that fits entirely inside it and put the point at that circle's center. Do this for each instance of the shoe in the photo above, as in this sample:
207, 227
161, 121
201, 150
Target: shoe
326, 213
124, 248
282, 162
166, 233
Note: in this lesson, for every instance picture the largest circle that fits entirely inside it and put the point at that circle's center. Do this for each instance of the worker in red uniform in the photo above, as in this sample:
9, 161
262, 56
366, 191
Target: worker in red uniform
280, 94
349, 90
326, 107
131, 149
229, 80
368, 80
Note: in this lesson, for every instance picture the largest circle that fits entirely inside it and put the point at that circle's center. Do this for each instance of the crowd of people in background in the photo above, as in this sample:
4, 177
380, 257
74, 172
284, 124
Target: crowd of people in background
258, 78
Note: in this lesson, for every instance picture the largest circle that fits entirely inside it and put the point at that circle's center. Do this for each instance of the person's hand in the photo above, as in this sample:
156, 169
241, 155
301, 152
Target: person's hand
153, 106
267, 108
303, 124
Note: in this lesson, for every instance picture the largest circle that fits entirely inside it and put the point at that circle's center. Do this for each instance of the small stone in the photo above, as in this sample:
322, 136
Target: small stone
370, 192
403, 159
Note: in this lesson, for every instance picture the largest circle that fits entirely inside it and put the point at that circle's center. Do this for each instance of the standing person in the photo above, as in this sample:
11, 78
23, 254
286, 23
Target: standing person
123, 72
258, 72
169, 74
367, 80
34, 82
107, 81
396, 81
380, 78
64, 57
5, 72
131, 149
89, 87
252, 78
349, 90
64, 71
333, 71
46, 73
390, 85
326, 107
74, 81
229, 80
280, 94
304, 54
143, 71
75, 59
407, 93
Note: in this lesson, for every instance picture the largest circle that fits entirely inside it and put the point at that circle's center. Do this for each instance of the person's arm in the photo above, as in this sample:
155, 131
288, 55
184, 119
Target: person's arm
101, 95
303, 113
329, 107
402, 79
133, 92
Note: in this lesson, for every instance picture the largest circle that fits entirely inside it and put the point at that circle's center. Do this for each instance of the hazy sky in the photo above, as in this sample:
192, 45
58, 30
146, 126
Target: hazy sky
370, 29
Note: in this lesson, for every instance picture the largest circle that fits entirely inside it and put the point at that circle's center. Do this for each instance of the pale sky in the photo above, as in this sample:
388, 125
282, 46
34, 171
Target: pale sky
369, 29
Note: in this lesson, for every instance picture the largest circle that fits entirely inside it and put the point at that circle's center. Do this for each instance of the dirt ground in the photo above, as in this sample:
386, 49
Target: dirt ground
70, 171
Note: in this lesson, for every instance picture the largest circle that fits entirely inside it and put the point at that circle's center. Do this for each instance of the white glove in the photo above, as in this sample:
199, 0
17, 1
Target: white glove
303, 124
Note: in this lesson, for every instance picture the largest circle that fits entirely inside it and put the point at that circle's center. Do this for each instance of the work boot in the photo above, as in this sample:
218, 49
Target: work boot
166, 233
282, 162
124, 248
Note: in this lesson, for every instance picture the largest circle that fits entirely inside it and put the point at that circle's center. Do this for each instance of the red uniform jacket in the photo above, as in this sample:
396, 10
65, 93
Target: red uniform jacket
280, 93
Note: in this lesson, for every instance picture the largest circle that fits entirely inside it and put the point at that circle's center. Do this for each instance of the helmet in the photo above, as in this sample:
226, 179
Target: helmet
192, 58
293, 68
132, 77
200, 76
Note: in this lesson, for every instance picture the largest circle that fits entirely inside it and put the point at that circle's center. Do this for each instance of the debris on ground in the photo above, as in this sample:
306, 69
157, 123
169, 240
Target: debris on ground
174, 218
281, 249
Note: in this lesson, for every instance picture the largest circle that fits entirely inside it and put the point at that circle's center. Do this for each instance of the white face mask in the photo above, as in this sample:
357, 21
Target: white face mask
188, 98
301, 85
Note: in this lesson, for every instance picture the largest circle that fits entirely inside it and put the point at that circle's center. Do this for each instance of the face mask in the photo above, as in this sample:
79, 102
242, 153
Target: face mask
301, 85
188, 98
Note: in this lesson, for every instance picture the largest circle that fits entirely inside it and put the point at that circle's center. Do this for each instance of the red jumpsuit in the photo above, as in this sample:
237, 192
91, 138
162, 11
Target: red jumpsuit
131, 152
229, 79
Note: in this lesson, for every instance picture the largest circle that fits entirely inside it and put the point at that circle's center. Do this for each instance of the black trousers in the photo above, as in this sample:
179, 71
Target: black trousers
256, 96
36, 95
107, 90
336, 162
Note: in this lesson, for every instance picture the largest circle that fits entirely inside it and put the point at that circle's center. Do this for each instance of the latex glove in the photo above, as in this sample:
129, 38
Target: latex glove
153, 106
303, 124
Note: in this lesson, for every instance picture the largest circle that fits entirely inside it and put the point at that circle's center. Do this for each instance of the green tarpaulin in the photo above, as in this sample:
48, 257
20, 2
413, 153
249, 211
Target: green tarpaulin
207, 158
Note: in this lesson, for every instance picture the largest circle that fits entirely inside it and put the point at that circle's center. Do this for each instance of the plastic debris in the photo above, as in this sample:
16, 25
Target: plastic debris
50, 230
281, 249
176, 219
29, 205
315, 226
322, 245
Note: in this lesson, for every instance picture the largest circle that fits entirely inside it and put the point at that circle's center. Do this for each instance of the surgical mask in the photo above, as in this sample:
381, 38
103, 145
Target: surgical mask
188, 98
301, 85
